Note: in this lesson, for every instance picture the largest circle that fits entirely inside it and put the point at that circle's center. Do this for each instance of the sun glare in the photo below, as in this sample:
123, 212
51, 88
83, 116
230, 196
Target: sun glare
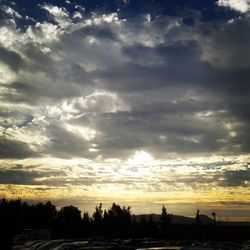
140, 157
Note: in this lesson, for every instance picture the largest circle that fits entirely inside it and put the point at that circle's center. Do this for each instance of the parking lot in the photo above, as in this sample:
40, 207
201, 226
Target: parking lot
140, 244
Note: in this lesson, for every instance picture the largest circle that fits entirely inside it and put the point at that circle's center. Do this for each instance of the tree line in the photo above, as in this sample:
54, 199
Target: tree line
68, 222
114, 222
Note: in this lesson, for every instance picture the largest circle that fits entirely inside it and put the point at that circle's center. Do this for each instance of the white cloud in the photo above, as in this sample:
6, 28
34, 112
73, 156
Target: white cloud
43, 32
113, 17
96, 103
8, 35
238, 5
86, 132
33, 133
12, 12
60, 15
13, 38
103, 101
77, 14
103, 19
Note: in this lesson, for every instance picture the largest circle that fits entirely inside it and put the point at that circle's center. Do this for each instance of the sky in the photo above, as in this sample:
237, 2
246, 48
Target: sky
143, 103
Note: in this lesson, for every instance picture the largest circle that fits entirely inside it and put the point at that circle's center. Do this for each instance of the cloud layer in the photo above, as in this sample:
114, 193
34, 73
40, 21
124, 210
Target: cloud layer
101, 86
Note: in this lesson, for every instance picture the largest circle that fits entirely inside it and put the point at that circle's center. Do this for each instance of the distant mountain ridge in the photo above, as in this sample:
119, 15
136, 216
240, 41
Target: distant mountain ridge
180, 219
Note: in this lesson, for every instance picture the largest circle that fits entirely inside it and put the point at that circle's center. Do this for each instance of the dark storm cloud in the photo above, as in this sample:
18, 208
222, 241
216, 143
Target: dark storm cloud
66, 144
147, 128
15, 149
36, 92
242, 137
11, 59
227, 43
39, 61
180, 64
237, 178
25, 176
174, 64
238, 110
103, 33
78, 74
18, 177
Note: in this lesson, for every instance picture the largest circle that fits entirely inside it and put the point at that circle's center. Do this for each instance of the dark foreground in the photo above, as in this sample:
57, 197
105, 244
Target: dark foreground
41, 226
103, 243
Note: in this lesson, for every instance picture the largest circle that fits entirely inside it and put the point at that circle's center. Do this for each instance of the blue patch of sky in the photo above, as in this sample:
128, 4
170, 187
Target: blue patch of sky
207, 10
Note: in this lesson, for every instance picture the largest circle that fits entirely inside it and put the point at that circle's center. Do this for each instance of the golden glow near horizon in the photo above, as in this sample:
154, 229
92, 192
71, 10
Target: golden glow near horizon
139, 180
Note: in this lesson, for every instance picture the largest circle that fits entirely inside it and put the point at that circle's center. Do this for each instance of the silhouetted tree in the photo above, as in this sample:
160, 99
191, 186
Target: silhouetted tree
43, 215
69, 221
97, 219
197, 218
214, 217
214, 225
198, 227
165, 222
117, 220
86, 218
97, 215
87, 230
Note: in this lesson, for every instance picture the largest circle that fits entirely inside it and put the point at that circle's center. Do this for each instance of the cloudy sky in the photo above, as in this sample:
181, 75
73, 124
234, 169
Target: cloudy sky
140, 102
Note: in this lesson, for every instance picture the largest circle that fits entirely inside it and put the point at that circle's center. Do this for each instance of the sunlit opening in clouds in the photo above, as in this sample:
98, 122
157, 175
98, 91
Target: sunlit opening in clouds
140, 157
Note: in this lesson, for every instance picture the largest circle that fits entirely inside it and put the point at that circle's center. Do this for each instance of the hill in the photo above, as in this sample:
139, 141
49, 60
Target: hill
180, 219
